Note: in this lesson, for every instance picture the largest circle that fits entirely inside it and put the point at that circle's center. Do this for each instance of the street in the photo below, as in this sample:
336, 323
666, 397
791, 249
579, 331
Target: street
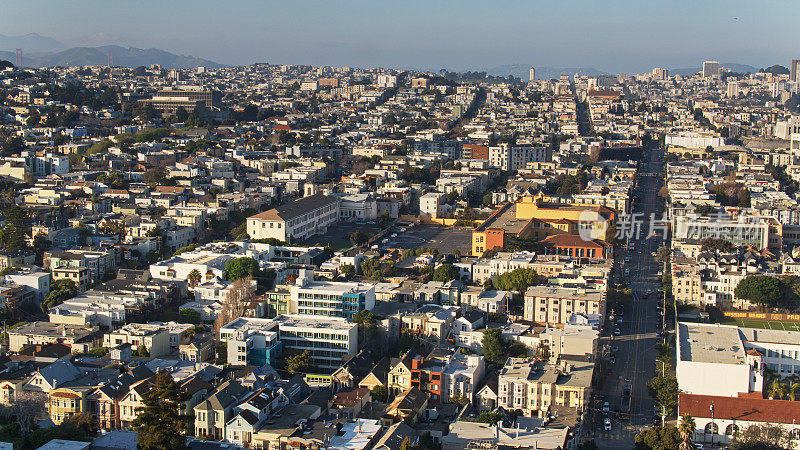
635, 344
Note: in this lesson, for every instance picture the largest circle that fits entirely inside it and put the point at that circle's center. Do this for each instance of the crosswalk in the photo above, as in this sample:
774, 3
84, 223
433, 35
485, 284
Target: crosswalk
619, 435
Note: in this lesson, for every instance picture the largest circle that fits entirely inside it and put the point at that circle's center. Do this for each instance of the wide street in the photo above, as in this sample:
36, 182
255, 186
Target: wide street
633, 349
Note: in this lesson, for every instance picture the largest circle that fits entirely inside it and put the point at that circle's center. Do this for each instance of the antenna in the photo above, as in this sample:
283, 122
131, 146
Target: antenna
18, 57
110, 59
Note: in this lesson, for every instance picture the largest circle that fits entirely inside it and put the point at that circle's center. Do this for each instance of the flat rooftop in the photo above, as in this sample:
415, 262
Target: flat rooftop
568, 293
710, 343
507, 220
331, 323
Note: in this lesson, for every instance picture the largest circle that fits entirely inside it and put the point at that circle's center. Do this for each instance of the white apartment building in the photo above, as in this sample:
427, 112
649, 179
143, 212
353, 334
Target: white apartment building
328, 339
507, 157
251, 341
155, 338
297, 220
331, 298
461, 375
555, 305
430, 204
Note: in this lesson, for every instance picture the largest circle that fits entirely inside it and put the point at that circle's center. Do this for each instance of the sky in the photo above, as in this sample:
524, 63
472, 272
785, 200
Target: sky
628, 36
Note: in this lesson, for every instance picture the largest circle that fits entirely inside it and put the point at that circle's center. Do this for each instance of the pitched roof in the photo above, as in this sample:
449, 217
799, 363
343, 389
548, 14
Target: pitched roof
296, 208
739, 408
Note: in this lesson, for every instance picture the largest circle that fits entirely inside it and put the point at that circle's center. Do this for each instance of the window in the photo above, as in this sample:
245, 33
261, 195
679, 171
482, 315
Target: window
711, 428
731, 430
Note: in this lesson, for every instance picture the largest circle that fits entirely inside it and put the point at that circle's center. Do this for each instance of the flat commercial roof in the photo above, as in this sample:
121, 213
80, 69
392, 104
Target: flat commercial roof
720, 344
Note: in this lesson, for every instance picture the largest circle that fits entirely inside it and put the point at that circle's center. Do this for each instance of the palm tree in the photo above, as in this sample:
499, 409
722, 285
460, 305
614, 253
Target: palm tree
777, 390
794, 392
687, 427
194, 277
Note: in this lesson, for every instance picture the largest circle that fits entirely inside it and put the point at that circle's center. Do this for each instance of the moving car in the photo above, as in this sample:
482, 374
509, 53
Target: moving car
607, 424
606, 407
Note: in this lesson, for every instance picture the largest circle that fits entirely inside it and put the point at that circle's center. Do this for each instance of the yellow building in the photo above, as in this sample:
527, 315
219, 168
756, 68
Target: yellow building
537, 218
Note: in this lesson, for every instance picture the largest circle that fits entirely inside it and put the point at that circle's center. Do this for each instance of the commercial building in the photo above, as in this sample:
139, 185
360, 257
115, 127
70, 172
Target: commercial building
297, 220
190, 98
710, 69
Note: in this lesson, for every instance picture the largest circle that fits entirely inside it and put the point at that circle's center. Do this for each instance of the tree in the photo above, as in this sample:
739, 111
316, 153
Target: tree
490, 417
763, 437
687, 427
236, 302
487, 199
159, 422
384, 220
359, 238
194, 277
299, 362
446, 272
518, 280
25, 408
777, 390
181, 114
492, 346
12, 146
794, 392
718, 244
348, 270
379, 394
662, 254
60, 291
460, 399
155, 176
766, 291
665, 391
658, 438
239, 268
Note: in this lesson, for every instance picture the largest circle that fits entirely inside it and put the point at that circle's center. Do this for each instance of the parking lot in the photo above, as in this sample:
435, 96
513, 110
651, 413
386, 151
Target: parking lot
446, 239
338, 236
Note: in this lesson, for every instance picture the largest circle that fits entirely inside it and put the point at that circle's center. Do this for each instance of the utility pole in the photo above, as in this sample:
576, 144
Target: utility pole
712, 423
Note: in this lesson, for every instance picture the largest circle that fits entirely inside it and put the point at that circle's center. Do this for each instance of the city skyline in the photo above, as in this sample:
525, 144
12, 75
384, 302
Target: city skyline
619, 37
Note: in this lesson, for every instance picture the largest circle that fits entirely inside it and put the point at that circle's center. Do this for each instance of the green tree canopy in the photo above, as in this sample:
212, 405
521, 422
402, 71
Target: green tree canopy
60, 291
299, 362
445, 272
239, 268
491, 417
380, 394
492, 346
658, 438
518, 280
159, 422
766, 291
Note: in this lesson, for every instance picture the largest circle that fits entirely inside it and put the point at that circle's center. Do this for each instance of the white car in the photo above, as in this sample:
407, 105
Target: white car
607, 424
606, 407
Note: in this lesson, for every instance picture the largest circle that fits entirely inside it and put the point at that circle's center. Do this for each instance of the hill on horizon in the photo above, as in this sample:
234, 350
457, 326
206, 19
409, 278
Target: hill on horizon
95, 56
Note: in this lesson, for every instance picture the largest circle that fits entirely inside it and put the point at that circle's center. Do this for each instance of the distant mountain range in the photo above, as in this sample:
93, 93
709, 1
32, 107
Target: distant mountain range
53, 53
542, 73
30, 42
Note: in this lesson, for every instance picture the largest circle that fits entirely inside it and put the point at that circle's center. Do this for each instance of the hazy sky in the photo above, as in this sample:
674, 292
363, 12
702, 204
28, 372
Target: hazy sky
610, 35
